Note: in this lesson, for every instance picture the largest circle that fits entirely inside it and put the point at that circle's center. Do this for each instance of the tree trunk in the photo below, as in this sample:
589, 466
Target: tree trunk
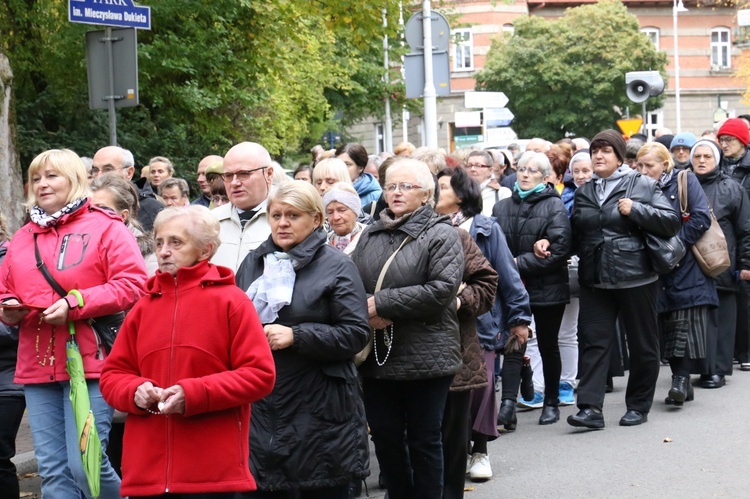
11, 187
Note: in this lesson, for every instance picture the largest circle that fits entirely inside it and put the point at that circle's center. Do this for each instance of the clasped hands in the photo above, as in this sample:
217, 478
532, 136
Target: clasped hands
168, 400
376, 322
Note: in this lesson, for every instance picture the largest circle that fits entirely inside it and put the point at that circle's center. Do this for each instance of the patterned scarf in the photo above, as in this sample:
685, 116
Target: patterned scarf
42, 219
457, 218
273, 290
664, 179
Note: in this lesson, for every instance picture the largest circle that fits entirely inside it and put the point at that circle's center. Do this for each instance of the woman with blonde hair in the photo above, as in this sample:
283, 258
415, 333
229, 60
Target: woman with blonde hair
687, 303
328, 172
79, 246
309, 435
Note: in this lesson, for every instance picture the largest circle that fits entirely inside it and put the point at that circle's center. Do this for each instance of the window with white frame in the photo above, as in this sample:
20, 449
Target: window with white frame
653, 34
721, 48
463, 50
654, 121
379, 138
509, 29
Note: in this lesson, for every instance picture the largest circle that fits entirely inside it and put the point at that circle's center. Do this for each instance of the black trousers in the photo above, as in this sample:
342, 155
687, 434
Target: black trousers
339, 492
206, 495
11, 413
597, 337
547, 321
512, 364
413, 468
742, 340
456, 428
720, 337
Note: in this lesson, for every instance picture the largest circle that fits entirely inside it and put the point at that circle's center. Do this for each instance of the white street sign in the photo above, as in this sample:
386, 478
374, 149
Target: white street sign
468, 118
481, 100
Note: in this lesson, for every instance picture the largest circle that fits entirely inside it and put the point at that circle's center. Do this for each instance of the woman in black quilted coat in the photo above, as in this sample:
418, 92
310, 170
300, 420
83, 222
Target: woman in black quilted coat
535, 212
417, 347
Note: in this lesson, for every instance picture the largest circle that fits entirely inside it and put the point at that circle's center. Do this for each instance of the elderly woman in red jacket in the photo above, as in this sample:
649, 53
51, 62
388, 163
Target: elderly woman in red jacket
190, 359
83, 248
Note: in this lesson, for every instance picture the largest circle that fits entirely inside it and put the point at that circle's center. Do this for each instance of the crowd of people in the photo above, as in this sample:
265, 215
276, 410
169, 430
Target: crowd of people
272, 327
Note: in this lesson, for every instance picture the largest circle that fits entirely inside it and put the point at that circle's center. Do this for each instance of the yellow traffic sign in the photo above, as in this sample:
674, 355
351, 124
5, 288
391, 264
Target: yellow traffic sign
631, 126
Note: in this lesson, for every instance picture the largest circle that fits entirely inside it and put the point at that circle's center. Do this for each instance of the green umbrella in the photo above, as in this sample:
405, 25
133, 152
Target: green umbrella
88, 438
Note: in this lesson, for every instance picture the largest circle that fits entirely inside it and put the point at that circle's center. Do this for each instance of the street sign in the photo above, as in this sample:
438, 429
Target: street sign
494, 117
414, 74
465, 119
630, 127
124, 87
743, 17
441, 32
481, 100
117, 13
504, 134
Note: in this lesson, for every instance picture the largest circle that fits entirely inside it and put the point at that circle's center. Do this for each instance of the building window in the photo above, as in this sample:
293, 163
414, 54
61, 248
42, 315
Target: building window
509, 29
379, 138
654, 121
653, 35
463, 50
720, 48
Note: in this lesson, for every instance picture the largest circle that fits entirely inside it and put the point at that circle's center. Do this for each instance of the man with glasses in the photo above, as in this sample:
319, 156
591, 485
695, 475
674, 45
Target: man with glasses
479, 167
733, 139
243, 221
116, 159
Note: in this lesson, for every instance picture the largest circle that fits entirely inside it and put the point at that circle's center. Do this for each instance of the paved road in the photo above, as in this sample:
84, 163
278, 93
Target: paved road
708, 455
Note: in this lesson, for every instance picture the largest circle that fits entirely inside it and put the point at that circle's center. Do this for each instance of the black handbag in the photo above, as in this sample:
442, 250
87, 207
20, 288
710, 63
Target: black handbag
664, 253
105, 327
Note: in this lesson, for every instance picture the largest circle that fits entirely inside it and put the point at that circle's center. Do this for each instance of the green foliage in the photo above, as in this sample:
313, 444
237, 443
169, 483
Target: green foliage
211, 74
567, 75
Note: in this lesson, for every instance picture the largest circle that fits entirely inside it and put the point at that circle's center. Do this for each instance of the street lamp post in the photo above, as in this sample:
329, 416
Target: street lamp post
677, 7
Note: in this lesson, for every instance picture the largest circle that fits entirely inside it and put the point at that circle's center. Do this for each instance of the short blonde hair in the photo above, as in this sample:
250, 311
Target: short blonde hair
66, 163
162, 159
300, 194
421, 172
331, 168
660, 151
201, 225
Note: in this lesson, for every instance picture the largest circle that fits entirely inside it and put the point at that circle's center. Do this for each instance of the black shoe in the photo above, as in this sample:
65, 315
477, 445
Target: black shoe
550, 414
633, 418
610, 386
712, 381
689, 398
587, 418
679, 390
381, 480
506, 415
355, 489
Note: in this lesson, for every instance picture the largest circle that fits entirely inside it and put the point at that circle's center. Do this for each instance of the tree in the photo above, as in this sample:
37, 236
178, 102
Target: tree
567, 75
11, 189
211, 74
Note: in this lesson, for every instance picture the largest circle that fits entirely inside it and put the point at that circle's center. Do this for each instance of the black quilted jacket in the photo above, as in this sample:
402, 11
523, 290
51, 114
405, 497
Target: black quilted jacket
418, 295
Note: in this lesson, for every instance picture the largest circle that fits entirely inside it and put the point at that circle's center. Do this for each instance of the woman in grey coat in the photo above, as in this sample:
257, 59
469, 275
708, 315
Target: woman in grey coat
416, 336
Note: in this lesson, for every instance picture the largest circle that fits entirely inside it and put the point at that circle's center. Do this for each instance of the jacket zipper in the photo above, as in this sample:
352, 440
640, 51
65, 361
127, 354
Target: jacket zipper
171, 364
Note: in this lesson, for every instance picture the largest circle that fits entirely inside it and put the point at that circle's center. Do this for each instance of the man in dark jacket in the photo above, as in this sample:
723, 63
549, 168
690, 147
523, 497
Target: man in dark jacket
116, 159
733, 138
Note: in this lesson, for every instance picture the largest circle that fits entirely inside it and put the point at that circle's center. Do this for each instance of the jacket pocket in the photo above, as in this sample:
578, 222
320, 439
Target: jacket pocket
629, 259
338, 397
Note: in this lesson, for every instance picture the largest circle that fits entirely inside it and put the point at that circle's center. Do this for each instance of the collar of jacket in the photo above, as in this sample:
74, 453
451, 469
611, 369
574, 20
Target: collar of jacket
481, 225
588, 190
548, 191
302, 254
422, 218
202, 273
86, 207
709, 177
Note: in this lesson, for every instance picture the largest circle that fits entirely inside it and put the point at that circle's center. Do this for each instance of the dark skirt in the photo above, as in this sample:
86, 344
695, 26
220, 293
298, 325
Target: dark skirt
685, 332
483, 402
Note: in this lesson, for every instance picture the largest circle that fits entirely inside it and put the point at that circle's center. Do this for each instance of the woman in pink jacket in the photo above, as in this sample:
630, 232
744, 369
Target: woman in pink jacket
83, 248
191, 357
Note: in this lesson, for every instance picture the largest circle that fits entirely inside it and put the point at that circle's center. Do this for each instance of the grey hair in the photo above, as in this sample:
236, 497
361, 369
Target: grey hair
430, 156
181, 183
162, 159
127, 158
538, 159
421, 171
201, 225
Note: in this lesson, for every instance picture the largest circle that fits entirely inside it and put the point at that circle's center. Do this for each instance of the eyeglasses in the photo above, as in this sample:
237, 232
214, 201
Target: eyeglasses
219, 199
105, 169
531, 171
726, 140
469, 167
241, 175
402, 186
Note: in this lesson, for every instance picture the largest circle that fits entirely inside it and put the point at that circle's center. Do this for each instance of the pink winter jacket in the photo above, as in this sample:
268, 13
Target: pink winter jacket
90, 250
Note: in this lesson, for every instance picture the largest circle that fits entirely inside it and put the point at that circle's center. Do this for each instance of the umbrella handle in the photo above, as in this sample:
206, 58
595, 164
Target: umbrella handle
79, 298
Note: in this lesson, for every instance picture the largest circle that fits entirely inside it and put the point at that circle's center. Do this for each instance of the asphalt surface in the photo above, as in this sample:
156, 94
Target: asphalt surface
699, 451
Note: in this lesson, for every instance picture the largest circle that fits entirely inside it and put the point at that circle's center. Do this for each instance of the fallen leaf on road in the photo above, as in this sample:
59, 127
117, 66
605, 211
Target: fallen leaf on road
667, 440
470, 488
26, 494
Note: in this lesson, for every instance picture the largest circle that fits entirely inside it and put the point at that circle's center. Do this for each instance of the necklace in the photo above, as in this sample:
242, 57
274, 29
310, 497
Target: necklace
49, 354
387, 339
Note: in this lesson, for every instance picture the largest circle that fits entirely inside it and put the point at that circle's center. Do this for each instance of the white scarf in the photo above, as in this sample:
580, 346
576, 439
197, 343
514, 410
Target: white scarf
273, 290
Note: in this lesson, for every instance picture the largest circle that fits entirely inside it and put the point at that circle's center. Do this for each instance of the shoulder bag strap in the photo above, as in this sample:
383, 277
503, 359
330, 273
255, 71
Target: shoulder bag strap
682, 191
45, 272
388, 263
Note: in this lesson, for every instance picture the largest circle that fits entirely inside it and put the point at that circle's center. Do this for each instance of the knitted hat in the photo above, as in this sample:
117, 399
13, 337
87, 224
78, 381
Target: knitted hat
614, 139
711, 145
736, 128
684, 139
665, 140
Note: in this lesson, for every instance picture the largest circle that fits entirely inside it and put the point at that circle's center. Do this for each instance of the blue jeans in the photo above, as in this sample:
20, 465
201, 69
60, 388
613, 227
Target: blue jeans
53, 429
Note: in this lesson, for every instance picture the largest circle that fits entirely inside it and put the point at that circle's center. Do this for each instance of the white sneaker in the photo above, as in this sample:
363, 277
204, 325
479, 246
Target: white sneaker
480, 468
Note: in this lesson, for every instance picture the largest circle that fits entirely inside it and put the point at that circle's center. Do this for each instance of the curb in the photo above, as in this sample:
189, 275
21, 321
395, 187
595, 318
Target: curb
25, 463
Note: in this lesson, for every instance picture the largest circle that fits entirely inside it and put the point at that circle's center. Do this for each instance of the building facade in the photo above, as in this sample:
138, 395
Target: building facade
708, 53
